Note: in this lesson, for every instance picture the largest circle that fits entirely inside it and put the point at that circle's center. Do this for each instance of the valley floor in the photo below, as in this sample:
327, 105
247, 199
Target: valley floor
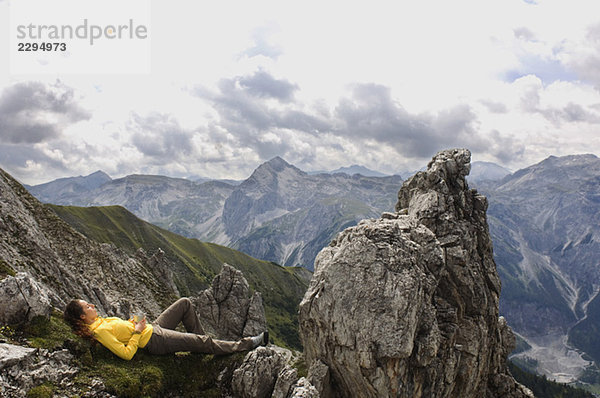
554, 358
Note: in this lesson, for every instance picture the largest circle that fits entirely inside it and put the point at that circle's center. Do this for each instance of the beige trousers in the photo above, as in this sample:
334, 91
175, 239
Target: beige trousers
166, 340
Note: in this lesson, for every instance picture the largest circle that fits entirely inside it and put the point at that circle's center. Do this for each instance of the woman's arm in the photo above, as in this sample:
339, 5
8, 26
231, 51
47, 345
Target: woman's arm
124, 351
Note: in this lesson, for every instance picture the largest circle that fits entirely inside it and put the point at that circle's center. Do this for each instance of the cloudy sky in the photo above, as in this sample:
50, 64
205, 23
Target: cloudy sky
384, 84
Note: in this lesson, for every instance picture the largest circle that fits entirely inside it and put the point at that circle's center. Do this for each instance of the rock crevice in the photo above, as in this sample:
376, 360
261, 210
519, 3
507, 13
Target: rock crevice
228, 309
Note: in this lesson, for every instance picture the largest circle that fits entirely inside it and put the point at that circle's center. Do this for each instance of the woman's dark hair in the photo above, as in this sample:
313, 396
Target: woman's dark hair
72, 316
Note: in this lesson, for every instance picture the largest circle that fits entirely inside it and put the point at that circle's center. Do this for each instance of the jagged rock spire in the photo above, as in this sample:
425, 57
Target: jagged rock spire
407, 305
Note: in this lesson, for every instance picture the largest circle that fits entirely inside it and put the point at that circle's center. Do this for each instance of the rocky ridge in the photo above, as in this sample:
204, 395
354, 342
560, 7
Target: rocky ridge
22, 368
34, 240
228, 309
407, 305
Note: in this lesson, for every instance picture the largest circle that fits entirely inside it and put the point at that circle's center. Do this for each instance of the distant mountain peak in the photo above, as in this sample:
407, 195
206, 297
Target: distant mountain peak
580, 164
278, 162
277, 165
358, 169
99, 173
95, 179
487, 171
68, 185
581, 158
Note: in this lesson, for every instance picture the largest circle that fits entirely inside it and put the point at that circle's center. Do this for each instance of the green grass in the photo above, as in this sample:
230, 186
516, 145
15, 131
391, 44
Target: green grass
47, 333
45, 390
196, 263
181, 374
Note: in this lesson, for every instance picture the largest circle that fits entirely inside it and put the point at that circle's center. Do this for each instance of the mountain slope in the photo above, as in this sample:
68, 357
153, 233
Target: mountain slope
279, 213
545, 224
195, 263
177, 204
283, 214
34, 240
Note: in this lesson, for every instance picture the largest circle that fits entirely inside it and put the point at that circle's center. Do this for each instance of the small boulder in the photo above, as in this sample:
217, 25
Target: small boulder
257, 375
23, 299
287, 378
303, 389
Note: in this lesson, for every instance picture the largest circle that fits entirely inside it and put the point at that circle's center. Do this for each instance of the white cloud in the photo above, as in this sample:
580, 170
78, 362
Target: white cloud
234, 84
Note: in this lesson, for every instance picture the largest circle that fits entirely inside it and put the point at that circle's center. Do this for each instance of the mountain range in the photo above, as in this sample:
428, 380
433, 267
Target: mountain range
279, 213
543, 222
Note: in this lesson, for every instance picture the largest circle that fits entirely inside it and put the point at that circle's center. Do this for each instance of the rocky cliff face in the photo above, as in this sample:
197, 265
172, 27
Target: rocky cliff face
35, 241
407, 305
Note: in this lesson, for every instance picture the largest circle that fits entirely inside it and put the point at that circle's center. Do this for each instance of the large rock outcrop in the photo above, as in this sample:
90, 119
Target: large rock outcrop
228, 310
407, 305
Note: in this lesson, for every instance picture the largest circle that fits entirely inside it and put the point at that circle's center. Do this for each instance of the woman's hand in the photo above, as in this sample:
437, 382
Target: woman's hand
140, 326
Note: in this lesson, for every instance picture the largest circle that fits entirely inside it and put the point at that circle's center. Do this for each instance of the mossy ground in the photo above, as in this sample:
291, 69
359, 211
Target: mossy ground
181, 374
45, 390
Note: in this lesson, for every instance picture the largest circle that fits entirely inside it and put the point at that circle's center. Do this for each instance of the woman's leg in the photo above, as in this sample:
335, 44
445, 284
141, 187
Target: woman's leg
166, 341
180, 311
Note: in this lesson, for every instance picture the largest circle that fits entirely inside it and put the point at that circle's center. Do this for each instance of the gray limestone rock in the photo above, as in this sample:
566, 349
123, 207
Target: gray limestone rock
23, 299
303, 389
266, 372
160, 267
319, 377
256, 321
257, 375
12, 354
286, 378
23, 368
407, 306
228, 310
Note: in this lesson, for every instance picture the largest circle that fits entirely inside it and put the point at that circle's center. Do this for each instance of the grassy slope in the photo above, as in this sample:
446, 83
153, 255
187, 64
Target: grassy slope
196, 263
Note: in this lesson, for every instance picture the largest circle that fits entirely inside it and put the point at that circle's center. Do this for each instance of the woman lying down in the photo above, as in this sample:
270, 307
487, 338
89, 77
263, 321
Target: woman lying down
124, 337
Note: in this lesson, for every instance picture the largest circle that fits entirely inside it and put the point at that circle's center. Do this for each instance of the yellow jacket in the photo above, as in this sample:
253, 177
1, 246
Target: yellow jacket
118, 336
